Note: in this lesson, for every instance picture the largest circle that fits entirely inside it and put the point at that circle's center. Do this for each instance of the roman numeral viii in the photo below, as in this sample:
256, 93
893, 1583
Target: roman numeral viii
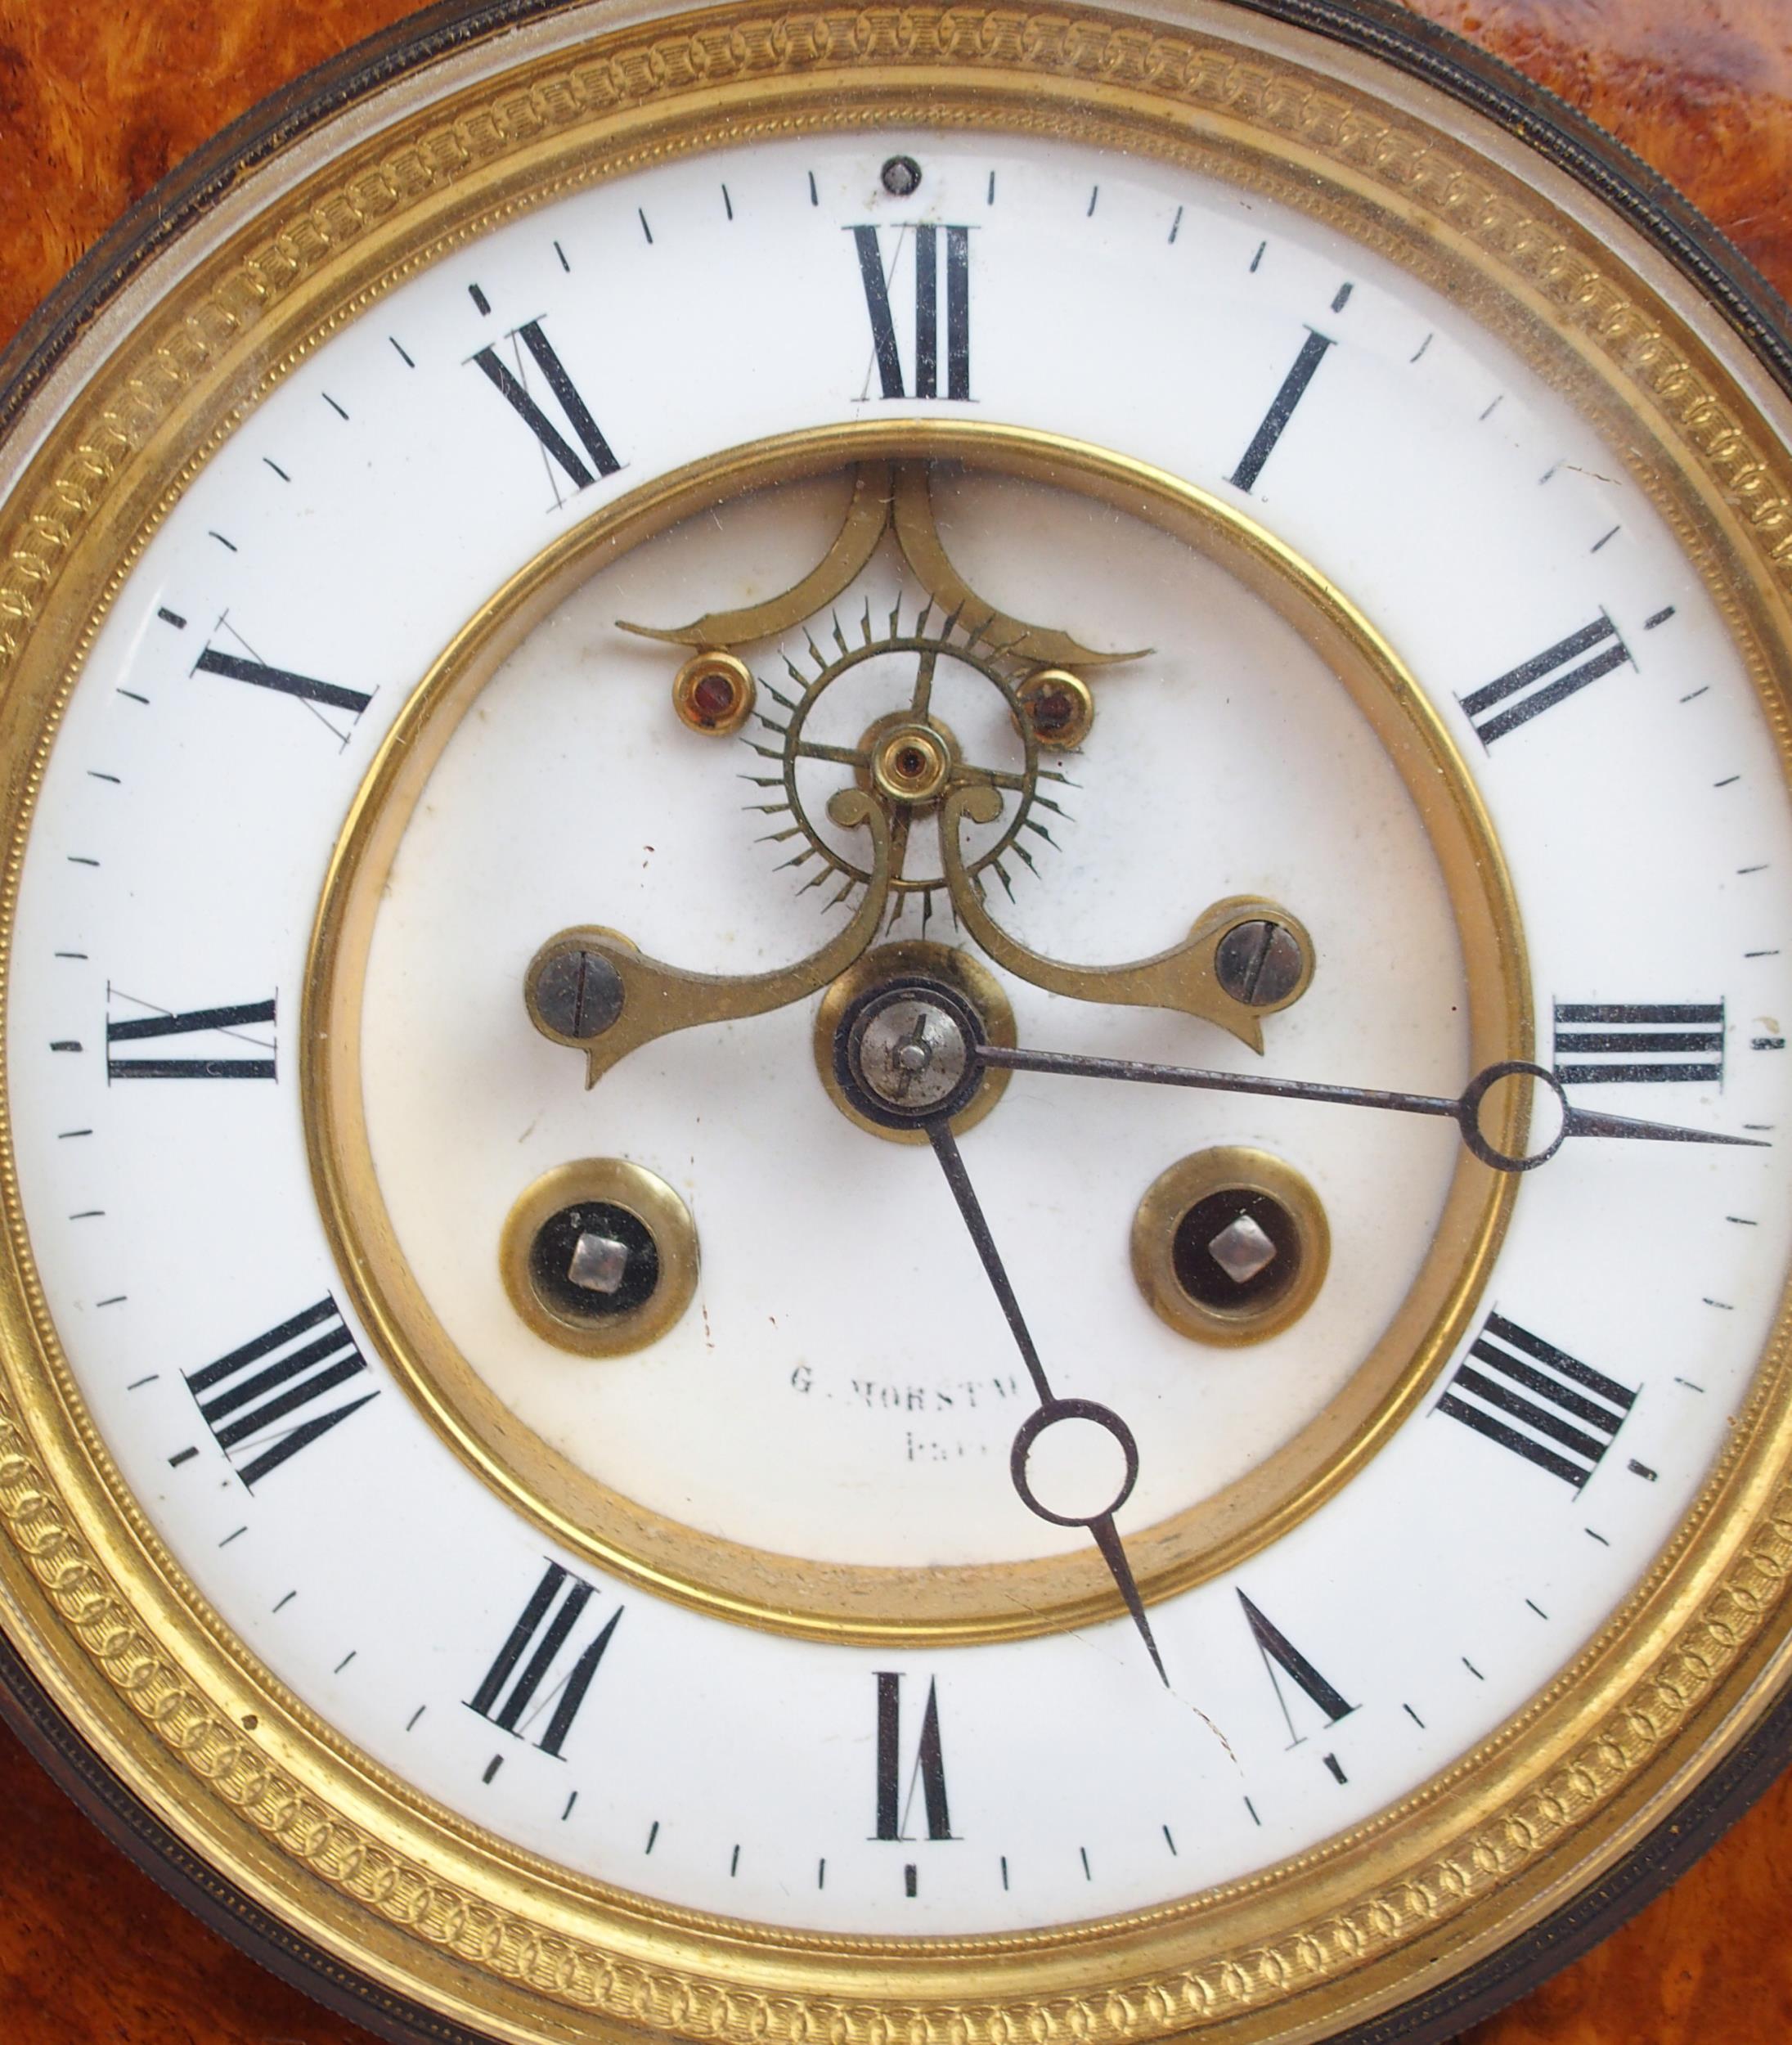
1546, 679
1567, 1413
272, 1397
229, 1022
577, 413
522, 1684
1651, 1041
927, 1774
928, 325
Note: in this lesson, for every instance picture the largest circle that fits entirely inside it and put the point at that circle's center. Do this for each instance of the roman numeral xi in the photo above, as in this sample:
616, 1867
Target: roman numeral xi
1648, 1041
597, 457
515, 1690
1543, 1405
927, 324
275, 1395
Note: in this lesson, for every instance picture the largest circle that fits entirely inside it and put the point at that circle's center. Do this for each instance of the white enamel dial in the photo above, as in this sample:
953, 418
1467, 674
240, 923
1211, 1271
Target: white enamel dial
844, 1389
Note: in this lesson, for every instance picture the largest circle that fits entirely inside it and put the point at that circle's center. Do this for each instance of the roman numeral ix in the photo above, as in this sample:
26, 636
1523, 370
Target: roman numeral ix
268, 1400
1567, 1413
1548, 678
231, 1022
1651, 1041
926, 311
928, 1773
516, 1691
573, 408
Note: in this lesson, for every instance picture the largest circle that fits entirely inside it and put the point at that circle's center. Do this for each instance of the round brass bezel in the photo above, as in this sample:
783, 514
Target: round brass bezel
653, 1204
432, 1909
1169, 1196
939, 1605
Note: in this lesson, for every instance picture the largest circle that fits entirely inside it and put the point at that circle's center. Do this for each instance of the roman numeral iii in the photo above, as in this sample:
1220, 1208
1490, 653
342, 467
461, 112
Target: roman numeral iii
231, 1022
521, 1687
895, 1799
1548, 678
275, 1395
1566, 1414
927, 323
1651, 1041
573, 408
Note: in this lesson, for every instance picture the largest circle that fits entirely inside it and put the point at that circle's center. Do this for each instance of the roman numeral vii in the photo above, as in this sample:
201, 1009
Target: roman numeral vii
545, 1668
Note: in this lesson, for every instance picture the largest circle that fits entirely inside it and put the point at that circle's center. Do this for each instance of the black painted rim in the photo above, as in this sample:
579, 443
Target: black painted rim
1408, 44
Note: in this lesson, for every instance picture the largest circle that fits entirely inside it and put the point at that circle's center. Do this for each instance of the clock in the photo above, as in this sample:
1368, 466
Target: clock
782, 679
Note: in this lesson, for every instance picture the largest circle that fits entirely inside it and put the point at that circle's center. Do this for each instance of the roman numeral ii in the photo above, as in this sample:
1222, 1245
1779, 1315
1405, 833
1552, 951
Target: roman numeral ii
1545, 680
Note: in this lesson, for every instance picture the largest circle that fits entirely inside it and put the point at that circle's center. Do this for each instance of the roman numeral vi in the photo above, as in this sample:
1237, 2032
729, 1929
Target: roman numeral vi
928, 1773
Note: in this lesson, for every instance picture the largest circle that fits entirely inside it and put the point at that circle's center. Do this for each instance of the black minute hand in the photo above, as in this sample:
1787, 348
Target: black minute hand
1463, 1109
1051, 1409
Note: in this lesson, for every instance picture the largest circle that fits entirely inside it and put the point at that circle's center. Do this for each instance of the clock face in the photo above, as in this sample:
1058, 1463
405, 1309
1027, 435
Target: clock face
895, 1043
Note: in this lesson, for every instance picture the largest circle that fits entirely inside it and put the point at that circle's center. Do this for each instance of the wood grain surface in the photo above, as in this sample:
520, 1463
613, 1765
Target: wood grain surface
97, 99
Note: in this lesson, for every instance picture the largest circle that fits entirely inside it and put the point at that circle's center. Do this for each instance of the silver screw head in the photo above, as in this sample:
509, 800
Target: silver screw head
598, 1263
910, 1052
1260, 963
900, 176
1242, 1249
576, 993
